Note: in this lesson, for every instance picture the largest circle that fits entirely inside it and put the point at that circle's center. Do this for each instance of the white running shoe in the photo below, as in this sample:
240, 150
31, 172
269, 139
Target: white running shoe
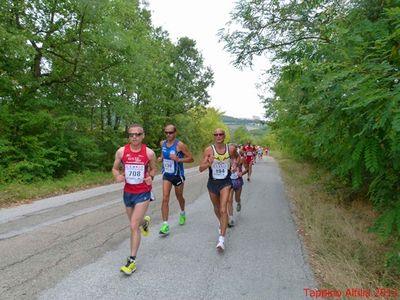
220, 246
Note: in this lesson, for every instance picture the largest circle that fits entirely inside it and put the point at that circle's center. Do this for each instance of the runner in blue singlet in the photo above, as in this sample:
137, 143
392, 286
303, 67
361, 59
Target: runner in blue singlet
174, 154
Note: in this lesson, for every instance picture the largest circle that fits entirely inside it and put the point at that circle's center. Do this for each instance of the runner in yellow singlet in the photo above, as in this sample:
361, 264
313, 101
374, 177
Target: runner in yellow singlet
217, 159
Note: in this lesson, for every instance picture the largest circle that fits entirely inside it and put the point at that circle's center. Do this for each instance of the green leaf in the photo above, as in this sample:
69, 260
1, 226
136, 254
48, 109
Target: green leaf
396, 122
371, 156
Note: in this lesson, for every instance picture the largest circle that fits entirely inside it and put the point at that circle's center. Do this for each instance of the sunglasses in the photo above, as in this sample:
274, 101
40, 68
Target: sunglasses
219, 134
131, 134
169, 132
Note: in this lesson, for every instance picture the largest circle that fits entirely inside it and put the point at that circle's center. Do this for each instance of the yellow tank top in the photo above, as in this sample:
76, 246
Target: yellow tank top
220, 168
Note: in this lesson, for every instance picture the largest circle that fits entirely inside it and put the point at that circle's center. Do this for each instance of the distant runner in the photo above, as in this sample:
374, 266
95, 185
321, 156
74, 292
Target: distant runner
260, 152
249, 150
237, 184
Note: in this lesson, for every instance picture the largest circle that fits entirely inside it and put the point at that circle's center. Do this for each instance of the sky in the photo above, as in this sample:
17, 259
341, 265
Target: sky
234, 91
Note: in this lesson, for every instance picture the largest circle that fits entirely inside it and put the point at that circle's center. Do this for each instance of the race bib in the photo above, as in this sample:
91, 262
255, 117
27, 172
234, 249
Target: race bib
249, 153
169, 166
234, 175
219, 169
134, 174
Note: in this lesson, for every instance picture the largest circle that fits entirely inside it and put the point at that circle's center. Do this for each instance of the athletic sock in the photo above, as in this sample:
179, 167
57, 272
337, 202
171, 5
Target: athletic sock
132, 257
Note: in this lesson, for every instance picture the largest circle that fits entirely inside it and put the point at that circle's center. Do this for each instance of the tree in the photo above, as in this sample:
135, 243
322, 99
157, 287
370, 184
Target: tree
336, 89
74, 74
241, 135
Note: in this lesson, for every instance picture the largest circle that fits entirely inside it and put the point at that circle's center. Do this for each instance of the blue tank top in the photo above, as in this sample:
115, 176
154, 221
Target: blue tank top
169, 166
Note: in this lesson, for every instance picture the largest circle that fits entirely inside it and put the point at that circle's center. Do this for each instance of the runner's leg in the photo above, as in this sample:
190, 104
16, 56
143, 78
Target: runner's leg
136, 218
167, 185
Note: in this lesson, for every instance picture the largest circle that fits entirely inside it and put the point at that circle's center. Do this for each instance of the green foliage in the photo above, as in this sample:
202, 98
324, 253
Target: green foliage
336, 89
393, 259
388, 222
255, 135
211, 120
74, 74
241, 135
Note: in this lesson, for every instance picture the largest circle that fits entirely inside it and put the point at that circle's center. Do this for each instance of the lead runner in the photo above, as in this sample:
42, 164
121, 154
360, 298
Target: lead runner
138, 169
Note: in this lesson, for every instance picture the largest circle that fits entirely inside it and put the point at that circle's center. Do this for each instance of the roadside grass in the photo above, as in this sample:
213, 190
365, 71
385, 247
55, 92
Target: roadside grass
19, 193
13, 194
334, 225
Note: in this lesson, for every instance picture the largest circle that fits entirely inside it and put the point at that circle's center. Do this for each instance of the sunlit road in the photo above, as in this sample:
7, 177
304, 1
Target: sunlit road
71, 247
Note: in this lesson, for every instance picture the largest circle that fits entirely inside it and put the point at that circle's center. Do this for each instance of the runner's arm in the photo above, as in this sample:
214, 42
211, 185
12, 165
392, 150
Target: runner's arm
117, 162
152, 166
207, 160
161, 157
242, 161
188, 157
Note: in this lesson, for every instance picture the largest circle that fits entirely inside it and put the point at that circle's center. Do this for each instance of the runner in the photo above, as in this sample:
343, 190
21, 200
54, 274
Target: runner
237, 183
174, 154
260, 152
248, 163
217, 159
138, 163
266, 151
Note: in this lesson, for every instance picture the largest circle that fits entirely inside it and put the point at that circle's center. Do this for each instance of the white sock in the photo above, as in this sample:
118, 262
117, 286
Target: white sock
182, 212
165, 222
221, 239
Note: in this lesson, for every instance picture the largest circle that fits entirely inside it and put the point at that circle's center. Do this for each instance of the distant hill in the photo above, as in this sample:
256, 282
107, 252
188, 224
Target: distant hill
249, 124
256, 128
240, 122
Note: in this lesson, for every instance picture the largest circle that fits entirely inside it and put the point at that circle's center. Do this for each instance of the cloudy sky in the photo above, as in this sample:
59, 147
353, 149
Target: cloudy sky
234, 91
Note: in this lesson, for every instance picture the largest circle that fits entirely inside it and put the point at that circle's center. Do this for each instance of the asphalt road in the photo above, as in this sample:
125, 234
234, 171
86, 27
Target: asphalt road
72, 246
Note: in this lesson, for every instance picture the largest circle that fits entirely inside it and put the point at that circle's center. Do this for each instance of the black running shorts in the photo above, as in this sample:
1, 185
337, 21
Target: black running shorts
216, 185
176, 180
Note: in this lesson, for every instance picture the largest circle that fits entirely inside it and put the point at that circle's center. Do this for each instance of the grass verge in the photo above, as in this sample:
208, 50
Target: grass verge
335, 227
13, 194
19, 193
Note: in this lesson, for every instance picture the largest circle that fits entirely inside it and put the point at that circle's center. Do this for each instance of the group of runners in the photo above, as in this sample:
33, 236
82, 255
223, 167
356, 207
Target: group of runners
226, 163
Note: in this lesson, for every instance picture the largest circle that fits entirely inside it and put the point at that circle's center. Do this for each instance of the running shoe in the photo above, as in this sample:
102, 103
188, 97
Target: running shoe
238, 207
145, 227
182, 219
164, 230
129, 268
220, 246
231, 223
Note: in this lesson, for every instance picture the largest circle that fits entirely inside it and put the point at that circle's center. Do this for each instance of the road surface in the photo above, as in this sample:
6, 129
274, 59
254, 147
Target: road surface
72, 246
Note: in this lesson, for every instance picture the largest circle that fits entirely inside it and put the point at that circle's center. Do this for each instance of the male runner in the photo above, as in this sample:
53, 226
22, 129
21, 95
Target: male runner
174, 154
138, 162
249, 155
217, 159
